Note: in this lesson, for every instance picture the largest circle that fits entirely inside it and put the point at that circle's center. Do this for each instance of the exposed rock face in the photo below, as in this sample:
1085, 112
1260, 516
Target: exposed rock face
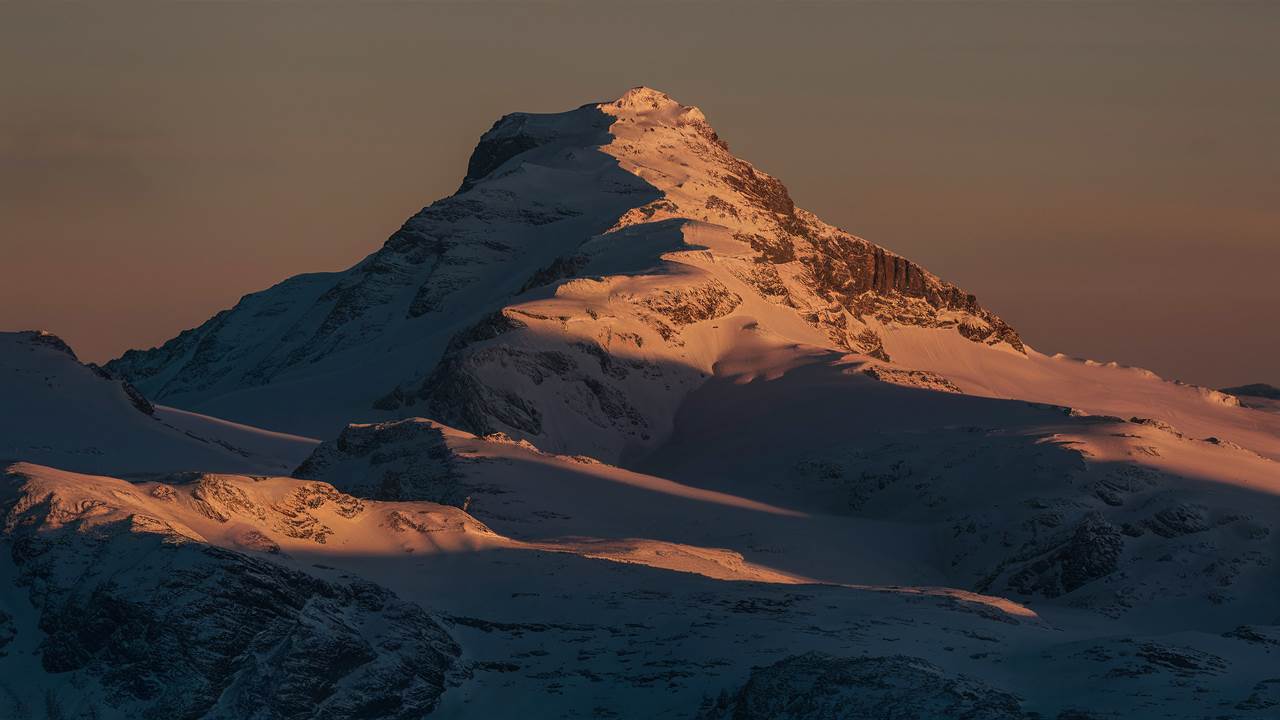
691, 305
402, 460
573, 229
1092, 552
154, 624
7, 631
911, 378
1181, 519
816, 686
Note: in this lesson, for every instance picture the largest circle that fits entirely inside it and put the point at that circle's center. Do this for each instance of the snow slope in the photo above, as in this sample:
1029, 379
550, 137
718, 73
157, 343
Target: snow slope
1112, 556
55, 410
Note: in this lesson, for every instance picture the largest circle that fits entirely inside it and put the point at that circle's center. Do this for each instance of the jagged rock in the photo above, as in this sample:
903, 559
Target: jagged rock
910, 378
220, 499
295, 519
690, 305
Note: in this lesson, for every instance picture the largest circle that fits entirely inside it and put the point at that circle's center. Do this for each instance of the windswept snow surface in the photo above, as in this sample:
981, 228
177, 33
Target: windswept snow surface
618, 431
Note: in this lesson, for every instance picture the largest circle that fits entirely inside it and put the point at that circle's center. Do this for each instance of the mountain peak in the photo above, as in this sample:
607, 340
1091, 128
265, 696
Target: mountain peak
643, 97
646, 94
646, 104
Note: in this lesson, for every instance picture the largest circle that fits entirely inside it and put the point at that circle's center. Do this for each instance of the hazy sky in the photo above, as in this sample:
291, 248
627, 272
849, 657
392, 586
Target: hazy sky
1105, 176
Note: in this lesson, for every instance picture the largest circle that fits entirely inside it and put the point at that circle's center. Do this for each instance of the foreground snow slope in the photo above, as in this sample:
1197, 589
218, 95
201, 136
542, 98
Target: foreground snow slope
55, 410
571, 588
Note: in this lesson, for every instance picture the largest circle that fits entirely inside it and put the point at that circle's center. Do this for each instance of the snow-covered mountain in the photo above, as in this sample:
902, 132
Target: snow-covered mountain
614, 231
618, 431
57, 411
595, 268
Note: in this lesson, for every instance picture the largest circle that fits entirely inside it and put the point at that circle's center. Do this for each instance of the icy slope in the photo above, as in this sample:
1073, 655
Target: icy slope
57, 411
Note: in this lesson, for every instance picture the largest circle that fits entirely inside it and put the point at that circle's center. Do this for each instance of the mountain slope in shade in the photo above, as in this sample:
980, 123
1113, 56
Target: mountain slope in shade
55, 410
1092, 513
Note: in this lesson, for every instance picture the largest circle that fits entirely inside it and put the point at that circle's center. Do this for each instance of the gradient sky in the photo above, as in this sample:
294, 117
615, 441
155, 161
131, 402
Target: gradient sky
1105, 176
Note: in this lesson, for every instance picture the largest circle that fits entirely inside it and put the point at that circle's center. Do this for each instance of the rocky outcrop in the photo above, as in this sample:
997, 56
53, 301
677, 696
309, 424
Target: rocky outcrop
48, 339
920, 379
816, 686
1180, 519
685, 306
8, 631
402, 460
1093, 551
